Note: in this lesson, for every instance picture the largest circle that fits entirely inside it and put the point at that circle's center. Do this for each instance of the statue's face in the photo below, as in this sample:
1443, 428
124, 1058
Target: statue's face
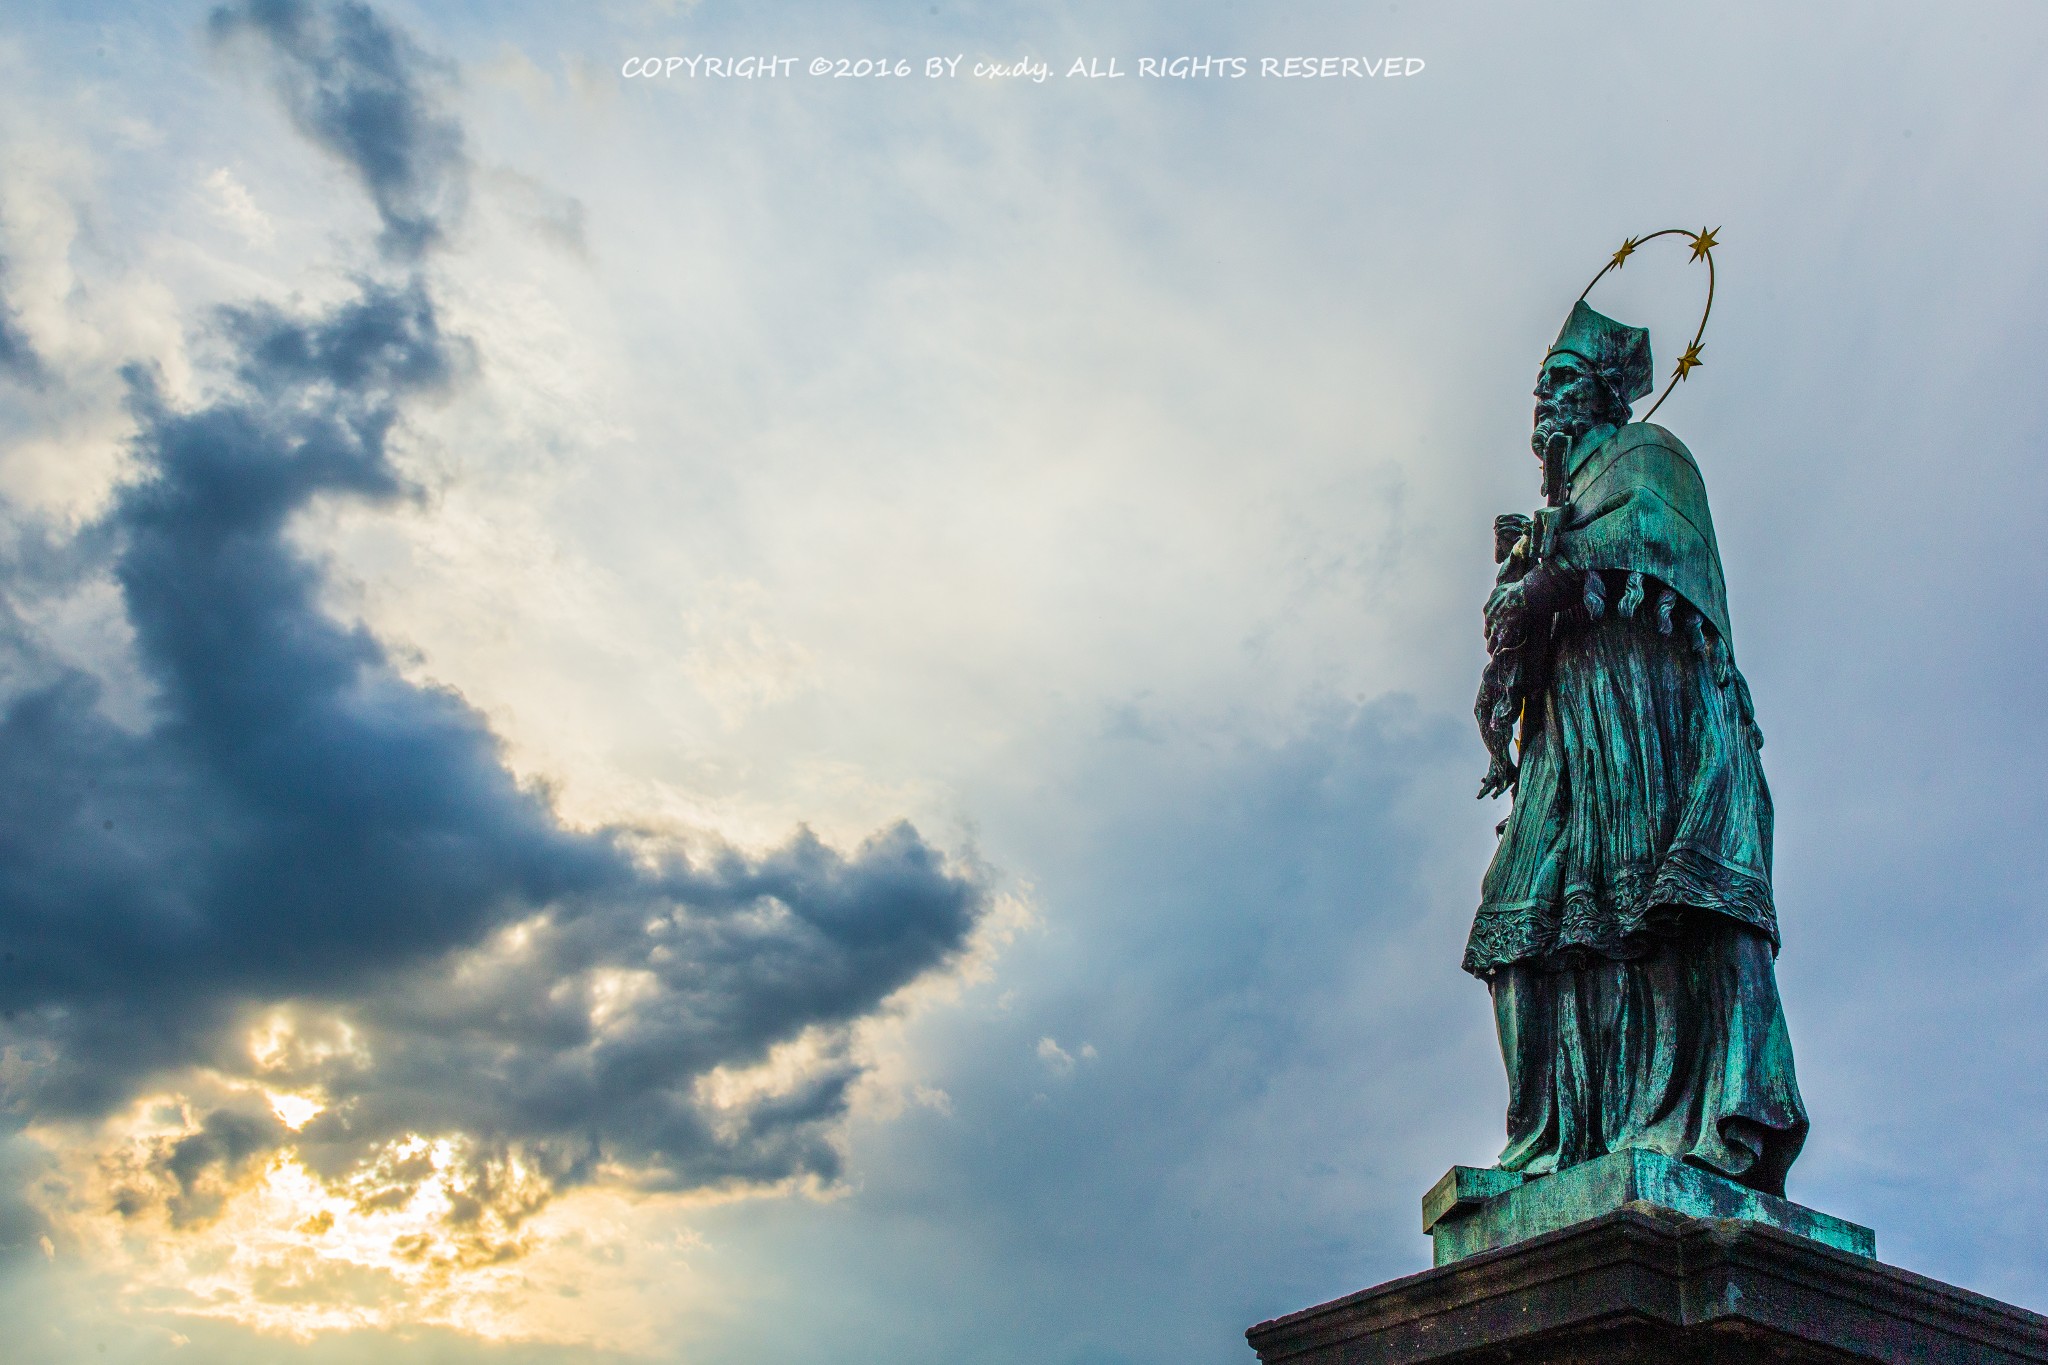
1569, 402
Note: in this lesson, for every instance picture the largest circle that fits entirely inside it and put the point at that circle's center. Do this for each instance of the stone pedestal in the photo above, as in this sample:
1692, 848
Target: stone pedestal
1472, 1210
1644, 1283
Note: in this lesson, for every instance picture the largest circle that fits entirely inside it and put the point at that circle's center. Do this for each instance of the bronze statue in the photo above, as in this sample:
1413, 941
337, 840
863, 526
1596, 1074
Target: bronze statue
1626, 929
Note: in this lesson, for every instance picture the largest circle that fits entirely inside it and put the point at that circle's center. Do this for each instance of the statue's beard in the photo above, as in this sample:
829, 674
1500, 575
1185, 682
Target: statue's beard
1559, 422
1558, 425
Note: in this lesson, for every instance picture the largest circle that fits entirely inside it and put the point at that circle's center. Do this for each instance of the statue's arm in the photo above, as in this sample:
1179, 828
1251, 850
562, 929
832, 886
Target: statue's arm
1535, 596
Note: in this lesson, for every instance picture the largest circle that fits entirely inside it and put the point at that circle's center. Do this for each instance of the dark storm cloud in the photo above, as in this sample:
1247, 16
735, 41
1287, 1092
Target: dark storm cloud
300, 834
616, 1013
360, 89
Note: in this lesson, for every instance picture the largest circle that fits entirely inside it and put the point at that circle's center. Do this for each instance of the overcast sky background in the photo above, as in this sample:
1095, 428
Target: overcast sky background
1069, 502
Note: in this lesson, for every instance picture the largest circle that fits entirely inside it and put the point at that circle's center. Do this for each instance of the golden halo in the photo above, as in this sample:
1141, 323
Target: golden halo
1703, 244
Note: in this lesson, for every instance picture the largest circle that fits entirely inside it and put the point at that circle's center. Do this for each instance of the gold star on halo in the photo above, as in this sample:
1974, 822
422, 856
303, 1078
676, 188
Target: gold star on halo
1688, 361
1704, 242
1623, 254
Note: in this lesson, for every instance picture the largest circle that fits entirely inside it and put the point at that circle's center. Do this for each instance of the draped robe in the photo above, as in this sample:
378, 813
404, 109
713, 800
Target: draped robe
1627, 929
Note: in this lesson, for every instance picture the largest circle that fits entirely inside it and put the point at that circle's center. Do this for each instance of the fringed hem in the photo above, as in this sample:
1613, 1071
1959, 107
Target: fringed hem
1620, 926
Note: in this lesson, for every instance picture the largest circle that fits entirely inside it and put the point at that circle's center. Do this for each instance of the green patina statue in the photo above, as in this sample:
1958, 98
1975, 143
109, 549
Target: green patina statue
1626, 928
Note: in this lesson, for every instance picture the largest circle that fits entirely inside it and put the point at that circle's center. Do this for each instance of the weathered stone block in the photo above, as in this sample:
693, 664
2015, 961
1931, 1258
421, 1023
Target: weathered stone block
1647, 1284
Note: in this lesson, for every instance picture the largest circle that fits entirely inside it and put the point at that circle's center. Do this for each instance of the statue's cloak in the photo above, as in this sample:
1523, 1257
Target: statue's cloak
1638, 504
1641, 798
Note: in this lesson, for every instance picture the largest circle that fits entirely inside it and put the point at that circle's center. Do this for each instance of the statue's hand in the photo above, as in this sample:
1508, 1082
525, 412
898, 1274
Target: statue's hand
1506, 610
1500, 776
1508, 530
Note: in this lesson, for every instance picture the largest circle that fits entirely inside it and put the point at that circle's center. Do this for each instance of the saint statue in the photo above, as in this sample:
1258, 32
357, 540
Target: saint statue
1626, 927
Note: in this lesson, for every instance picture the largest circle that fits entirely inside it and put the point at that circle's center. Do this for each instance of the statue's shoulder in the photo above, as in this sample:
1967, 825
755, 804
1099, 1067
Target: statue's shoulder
1643, 453
1648, 435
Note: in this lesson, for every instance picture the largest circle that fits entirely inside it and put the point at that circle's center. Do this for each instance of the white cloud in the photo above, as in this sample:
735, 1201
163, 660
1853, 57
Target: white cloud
230, 199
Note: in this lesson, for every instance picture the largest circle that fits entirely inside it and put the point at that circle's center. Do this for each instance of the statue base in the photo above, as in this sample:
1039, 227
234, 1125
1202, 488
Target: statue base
1648, 1284
1472, 1210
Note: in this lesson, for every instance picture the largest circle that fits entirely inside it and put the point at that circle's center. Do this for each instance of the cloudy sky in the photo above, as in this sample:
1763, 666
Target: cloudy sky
709, 719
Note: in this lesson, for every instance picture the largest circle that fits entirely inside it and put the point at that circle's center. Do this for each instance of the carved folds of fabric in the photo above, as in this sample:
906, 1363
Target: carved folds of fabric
1641, 800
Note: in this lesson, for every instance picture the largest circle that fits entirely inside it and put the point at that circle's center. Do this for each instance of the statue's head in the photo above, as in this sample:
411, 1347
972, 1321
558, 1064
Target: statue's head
1594, 370
1572, 399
